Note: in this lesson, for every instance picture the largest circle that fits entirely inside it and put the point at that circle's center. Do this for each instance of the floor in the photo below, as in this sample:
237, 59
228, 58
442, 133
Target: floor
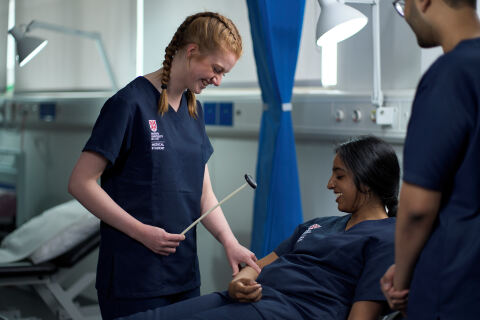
23, 303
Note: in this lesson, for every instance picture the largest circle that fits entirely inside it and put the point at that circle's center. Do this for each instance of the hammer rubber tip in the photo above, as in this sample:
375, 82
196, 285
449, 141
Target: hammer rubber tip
250, 181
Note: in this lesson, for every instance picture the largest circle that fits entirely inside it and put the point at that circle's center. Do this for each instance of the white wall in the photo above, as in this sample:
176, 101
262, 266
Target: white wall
400, 54
162, 20
67, 62
73, 63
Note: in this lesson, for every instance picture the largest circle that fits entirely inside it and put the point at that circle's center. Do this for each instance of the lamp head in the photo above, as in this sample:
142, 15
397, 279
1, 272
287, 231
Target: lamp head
27, 47
338, 22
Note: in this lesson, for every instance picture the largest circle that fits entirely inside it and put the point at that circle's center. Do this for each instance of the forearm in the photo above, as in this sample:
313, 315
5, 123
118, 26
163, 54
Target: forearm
250, 273
218, 226
99, 203
215, 222
365, 310
416, 215
411, 234
246, 273
84, 187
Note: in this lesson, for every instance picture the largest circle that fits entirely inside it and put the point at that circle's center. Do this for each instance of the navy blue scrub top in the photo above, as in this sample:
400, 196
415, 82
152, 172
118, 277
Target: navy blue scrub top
442, 153
323, 269
155, 172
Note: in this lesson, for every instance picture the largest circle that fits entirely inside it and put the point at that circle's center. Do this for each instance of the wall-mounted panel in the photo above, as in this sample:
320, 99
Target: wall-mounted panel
315, 113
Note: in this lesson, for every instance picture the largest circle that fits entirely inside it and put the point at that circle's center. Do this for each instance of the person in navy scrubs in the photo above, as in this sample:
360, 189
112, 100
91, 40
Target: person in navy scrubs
437, 249
150, 148
330, 267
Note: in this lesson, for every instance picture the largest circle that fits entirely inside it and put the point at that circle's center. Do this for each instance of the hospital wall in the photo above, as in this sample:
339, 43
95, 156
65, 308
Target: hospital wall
70, 64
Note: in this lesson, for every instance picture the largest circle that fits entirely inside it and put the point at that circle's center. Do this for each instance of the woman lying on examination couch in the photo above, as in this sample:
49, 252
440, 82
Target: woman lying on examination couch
331, 266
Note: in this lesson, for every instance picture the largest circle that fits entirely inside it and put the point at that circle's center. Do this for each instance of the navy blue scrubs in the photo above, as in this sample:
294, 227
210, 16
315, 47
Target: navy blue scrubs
442, 153
155, 172
321, 271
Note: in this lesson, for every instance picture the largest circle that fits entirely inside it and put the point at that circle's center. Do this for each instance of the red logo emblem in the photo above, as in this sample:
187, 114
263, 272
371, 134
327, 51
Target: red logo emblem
314, 226
153, 125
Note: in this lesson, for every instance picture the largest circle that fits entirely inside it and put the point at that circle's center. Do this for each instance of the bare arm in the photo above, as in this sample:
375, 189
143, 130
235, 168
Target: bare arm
250, 273
365, 310
417, 211
84, 187
218, 226
243, 287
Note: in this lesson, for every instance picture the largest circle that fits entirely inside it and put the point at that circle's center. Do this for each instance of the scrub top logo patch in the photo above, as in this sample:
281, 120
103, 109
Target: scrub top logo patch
157, 139
309, 230
153, 125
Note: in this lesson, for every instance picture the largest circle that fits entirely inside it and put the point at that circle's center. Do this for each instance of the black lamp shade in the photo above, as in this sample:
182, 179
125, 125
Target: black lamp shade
27, 47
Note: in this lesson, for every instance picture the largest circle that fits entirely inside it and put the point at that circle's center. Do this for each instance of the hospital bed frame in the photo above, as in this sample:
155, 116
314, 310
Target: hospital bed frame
46, 277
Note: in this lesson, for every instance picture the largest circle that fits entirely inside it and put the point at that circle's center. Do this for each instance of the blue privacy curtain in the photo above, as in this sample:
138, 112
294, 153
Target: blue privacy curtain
276, 27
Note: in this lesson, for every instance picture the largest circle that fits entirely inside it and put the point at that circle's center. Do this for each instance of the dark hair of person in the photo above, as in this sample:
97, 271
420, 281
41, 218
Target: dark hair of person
375, 167
460, 3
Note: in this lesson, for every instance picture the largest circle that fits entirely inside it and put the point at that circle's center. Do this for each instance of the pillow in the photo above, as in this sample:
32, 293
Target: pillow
66, 240
41, 229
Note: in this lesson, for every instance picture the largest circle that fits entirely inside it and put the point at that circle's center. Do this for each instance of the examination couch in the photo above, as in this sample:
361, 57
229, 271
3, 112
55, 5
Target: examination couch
45, 253
46, 277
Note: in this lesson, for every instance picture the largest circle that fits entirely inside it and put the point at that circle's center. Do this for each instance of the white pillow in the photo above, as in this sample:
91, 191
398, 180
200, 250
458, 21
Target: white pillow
66, 240
43, 228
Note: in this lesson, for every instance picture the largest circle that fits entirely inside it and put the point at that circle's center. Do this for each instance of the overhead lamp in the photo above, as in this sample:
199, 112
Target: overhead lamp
28, 46
338, 21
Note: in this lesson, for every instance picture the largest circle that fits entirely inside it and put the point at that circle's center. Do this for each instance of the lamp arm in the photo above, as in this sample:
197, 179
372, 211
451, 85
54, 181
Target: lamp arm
106, 62
87, 34
377, 96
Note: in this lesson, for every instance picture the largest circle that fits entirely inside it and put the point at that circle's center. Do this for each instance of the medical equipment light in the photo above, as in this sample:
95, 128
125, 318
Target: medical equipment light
28, 47
338, 22
329, 64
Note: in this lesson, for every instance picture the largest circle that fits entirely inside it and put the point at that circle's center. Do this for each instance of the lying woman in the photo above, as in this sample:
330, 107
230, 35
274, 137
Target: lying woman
331, 266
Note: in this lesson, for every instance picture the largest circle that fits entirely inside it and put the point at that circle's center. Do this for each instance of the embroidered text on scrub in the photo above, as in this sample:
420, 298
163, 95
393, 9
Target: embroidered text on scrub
309, 230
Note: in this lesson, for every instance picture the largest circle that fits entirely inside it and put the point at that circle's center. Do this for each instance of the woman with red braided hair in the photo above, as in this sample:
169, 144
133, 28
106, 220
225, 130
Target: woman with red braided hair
150, 148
